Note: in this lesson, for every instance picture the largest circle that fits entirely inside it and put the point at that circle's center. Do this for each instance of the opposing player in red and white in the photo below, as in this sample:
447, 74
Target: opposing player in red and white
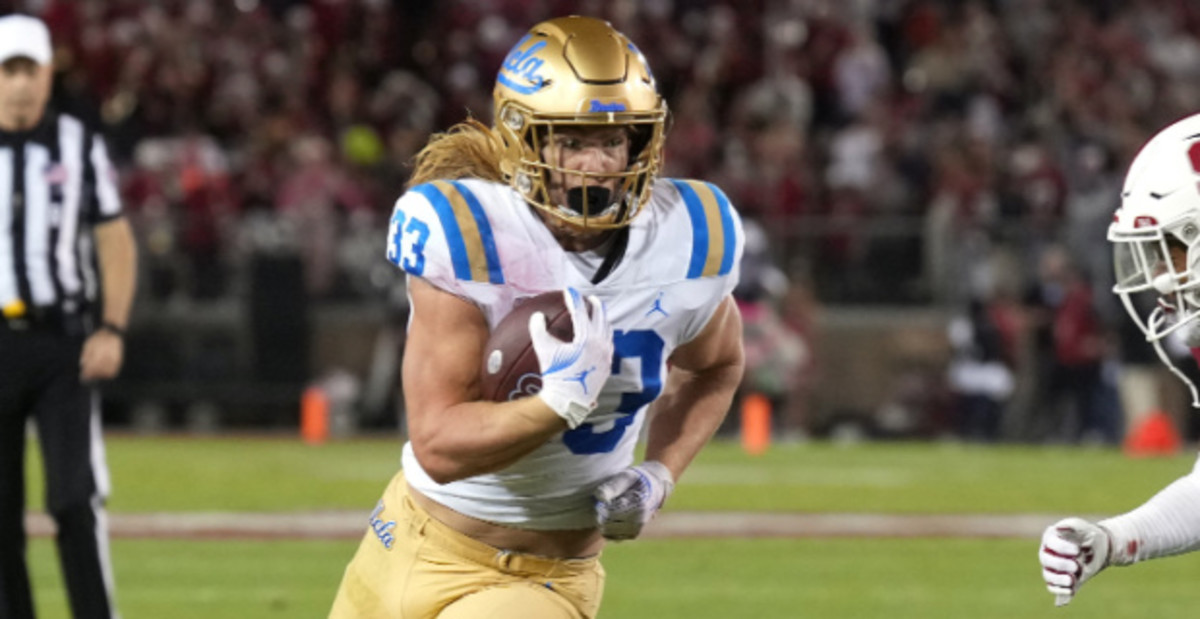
501, 509
1156, 243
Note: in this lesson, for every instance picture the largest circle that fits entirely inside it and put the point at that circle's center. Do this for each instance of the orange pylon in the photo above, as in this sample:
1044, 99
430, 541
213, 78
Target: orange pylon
756, 423
314, 416
1155, 435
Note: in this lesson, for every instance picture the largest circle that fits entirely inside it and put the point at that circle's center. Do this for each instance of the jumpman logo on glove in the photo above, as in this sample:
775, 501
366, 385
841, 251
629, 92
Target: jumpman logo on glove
581, 378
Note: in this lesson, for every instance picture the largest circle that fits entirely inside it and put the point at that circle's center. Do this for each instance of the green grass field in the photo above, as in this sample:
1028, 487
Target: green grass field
696, 579
275, 474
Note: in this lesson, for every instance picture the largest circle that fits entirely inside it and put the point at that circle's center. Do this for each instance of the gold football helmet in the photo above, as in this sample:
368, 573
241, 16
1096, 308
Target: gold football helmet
578, 71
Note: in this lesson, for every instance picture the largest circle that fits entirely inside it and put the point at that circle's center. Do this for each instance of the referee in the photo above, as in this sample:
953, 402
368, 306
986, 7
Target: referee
67, 273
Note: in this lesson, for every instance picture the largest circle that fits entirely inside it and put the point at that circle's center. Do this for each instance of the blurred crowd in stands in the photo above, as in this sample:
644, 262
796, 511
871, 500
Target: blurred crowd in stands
960, 153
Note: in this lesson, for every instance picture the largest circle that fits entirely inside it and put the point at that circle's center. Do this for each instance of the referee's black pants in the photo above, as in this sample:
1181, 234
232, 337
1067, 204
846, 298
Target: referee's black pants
39, 378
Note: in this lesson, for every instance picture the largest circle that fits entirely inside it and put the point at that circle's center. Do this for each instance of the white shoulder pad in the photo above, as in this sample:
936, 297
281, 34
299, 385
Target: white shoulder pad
715, 250
439, 231
716, 230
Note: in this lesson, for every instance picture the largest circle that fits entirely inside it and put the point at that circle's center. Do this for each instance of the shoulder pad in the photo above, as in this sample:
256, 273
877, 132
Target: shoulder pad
440, 230
716, 229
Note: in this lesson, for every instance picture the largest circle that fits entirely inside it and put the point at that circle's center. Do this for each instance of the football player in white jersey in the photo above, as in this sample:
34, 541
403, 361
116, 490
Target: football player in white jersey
501, 509
1156, 251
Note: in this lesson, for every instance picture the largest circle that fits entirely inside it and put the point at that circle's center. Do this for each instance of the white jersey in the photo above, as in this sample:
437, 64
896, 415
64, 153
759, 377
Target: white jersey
480, 241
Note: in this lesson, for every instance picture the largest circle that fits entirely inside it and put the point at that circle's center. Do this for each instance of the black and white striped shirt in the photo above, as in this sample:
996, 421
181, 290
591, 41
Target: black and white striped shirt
56, 183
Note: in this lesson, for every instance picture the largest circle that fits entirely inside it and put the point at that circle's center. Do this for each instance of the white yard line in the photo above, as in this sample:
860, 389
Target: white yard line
352, 524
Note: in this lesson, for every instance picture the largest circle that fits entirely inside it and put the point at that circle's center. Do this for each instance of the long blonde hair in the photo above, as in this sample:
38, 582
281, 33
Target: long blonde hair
467, 150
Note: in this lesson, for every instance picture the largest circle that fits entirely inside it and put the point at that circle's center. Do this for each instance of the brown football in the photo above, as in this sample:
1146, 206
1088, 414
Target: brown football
510, 365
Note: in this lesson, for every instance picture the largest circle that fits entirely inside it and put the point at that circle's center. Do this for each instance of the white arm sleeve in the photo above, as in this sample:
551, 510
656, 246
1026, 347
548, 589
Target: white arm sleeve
1167, 524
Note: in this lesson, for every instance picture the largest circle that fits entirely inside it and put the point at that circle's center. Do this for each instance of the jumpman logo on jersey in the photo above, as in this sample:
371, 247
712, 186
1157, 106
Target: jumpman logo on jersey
658, 306
582, 378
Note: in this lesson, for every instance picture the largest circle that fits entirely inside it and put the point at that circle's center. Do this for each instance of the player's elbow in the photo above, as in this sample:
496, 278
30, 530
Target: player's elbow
726, 374
737, 369
727, 379
435, 456
442, 475
438, 466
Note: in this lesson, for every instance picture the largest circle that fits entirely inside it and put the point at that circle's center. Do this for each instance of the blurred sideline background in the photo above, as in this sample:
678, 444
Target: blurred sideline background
927, 184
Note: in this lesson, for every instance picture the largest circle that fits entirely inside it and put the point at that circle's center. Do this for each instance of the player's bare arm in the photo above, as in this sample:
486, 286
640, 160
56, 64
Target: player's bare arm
704, 375
454, 434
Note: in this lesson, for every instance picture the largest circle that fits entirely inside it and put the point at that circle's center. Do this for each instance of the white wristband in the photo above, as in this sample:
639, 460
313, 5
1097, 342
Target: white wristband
568, 408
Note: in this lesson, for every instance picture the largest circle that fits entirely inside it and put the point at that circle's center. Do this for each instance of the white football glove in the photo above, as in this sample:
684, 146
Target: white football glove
1073, 550
574, 372
628, 500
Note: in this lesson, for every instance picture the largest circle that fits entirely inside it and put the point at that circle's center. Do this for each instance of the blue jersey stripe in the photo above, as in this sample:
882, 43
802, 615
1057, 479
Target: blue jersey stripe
472, 239
495, 274
454, 236
699, 228
727, 226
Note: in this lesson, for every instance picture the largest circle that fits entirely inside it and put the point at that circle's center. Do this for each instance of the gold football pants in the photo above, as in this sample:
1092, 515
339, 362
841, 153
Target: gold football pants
411, 566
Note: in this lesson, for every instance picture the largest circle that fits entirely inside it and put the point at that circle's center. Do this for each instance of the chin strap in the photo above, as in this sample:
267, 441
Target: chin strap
615, 253
1166, 359
617, 250
1155, 324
